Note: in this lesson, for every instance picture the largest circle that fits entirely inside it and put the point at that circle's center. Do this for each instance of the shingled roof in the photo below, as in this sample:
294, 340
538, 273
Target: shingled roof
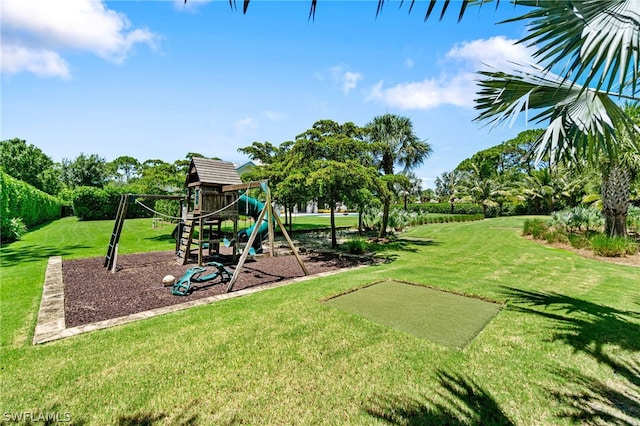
211, 172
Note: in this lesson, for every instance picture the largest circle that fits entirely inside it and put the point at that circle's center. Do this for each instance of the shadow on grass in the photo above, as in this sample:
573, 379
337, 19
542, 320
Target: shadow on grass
10, 256
144, 419
168, 238
401, 244
458, 401
591, 401
588, 328
148, 419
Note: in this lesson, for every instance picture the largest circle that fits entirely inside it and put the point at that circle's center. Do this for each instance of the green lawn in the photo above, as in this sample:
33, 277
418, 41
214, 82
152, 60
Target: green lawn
565, 349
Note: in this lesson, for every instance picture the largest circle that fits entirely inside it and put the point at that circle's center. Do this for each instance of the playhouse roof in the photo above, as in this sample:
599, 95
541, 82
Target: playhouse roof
211, 172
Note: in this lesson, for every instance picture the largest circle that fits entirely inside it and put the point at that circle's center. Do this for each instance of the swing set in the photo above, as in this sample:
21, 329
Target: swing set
213, 196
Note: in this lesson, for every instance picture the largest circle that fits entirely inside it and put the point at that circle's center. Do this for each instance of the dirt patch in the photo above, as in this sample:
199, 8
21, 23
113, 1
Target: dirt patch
94, 294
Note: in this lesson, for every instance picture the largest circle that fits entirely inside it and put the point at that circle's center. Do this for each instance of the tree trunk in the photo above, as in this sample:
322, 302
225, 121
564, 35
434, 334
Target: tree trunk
616, 189
334, 240
385, 218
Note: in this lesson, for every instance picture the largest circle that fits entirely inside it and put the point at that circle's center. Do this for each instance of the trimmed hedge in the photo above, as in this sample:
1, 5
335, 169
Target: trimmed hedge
23, 202
90, 203
508, 209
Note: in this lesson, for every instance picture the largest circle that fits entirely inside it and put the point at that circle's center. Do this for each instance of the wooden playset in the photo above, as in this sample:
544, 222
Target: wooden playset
213, 196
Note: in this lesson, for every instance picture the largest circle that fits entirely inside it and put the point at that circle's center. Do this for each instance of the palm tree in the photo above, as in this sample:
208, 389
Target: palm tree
447, 186
411, 187
617, 176
596, 43
394, 142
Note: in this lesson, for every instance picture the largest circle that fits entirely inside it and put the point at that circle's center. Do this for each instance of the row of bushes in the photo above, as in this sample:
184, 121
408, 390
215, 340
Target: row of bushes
23, 206
602, 245
91, 203
401, 219
508, 209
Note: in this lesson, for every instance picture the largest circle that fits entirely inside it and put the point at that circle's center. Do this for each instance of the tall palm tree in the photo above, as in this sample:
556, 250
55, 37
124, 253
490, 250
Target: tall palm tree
394, 143
617, 176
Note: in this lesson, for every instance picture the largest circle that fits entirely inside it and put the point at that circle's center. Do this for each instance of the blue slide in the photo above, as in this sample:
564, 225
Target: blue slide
253, 207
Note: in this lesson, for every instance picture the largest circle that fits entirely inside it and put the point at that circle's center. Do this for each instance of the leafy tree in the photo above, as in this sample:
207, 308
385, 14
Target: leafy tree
409, 188
271, 167
428, 195
124, 169
478, 189
84, 171
333, 162
448, 187
160, 177
29, 164
513, 157
394, 143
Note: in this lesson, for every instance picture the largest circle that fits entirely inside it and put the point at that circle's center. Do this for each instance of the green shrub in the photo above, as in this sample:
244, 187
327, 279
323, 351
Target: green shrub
90, 203
556, 236
633, 218
604, 245
579, 241
23, 202
537, 228
508, 209
355, 246
12, 229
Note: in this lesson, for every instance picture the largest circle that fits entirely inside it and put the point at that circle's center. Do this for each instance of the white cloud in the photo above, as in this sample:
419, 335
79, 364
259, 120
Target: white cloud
37, 32
274, 115
244, 126
459, 87
409, 63
43, 63
350, 81
497, 52
347, 79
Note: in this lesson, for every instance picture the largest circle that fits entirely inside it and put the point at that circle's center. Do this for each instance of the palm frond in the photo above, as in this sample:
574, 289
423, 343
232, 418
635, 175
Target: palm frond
582, 121
598, 39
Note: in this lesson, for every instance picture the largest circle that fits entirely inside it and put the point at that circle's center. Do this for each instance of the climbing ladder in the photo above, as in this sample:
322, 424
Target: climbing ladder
117, 230
184, 244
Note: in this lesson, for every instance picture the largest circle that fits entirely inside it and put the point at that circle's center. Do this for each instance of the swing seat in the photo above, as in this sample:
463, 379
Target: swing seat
183, 285
220, 271
194, 274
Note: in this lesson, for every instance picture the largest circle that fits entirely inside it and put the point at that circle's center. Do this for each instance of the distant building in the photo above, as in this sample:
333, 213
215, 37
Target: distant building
243, 168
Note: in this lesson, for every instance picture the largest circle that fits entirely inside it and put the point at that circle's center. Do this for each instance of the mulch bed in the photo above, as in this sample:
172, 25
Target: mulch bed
94, 294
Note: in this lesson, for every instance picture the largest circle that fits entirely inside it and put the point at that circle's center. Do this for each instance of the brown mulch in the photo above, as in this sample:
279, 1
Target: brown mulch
94, 294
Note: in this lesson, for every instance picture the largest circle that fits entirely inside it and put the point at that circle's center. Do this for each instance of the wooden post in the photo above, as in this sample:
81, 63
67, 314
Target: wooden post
270, 215
245, 252
291, 246
200, 241
115, 260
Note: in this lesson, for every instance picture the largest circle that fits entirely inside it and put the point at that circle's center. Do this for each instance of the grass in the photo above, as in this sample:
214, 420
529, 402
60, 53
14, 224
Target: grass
442, 317
564, 350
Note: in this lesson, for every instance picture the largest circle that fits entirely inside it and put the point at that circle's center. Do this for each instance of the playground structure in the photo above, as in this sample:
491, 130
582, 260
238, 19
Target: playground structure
212, 197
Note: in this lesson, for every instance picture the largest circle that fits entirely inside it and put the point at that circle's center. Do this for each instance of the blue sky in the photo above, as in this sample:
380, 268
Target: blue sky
158, 79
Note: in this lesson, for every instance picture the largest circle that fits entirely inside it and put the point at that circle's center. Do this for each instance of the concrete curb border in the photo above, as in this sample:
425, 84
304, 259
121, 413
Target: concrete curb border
51, 321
